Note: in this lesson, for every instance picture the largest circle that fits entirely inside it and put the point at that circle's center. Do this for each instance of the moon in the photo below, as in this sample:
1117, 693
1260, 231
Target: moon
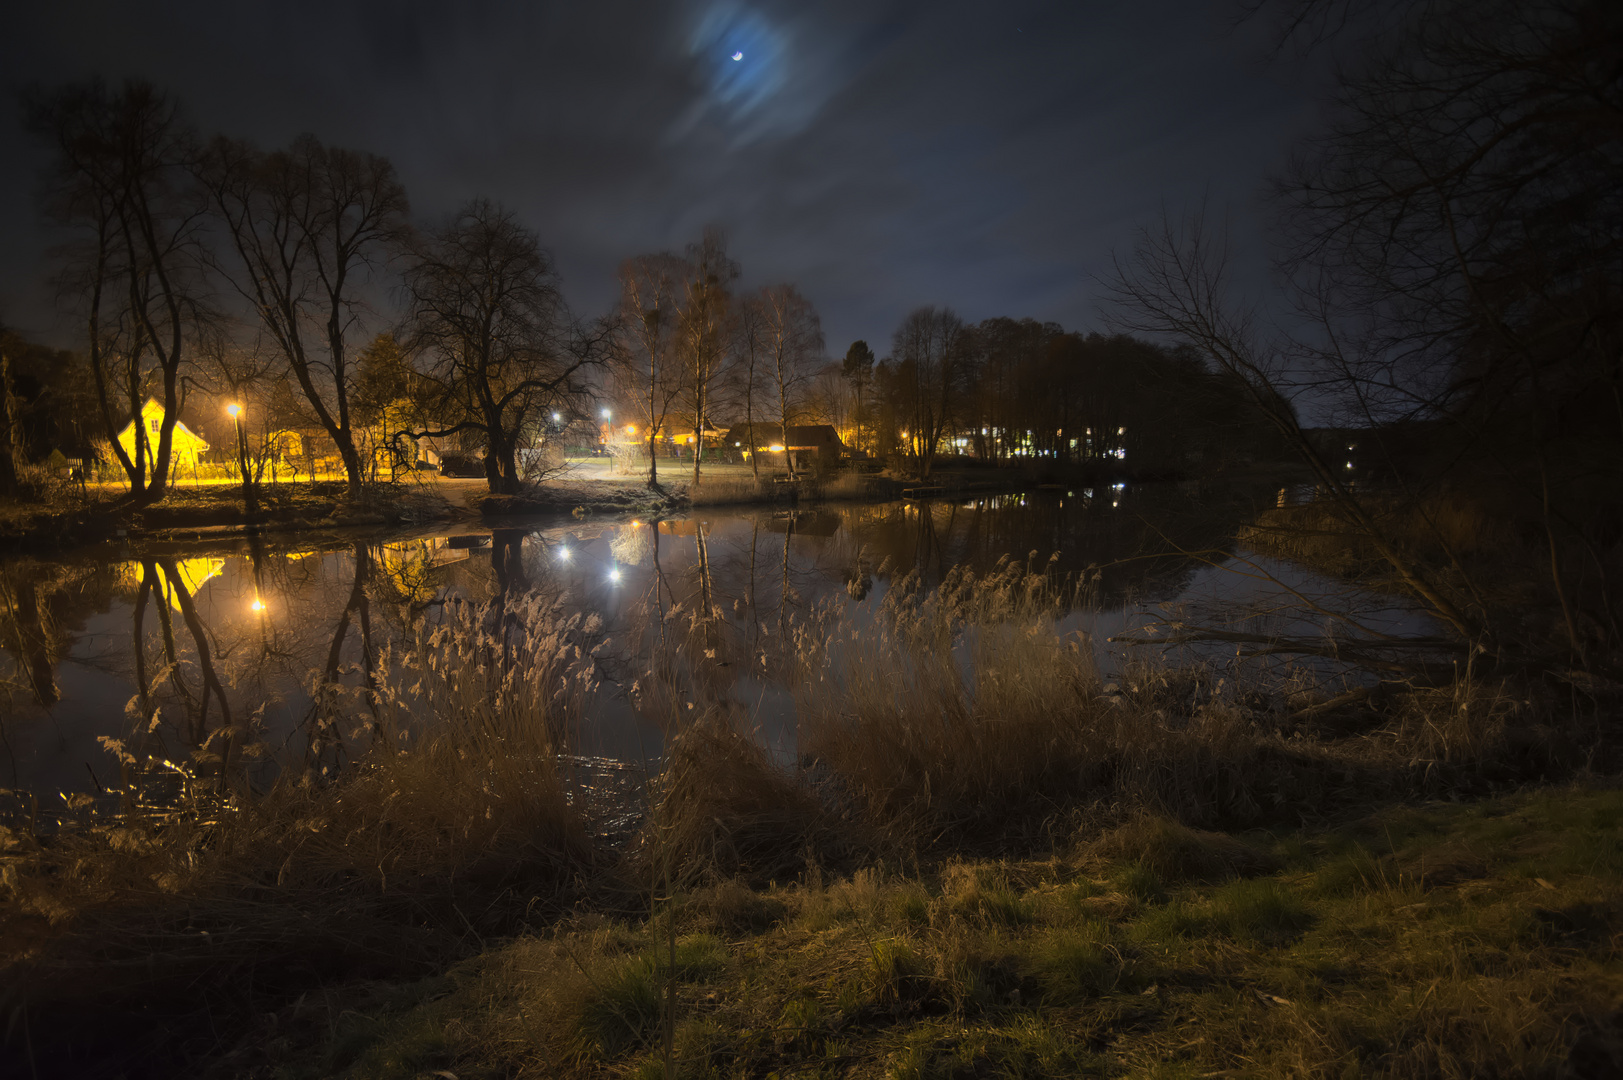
738, 56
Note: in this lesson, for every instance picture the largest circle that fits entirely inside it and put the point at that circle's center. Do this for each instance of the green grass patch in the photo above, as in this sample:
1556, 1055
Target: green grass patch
1448, 940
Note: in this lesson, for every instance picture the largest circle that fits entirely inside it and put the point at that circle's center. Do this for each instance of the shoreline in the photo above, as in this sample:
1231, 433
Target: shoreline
189, 514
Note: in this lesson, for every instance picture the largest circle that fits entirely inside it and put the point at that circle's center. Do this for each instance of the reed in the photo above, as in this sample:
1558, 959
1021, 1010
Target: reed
965, 708
448, 818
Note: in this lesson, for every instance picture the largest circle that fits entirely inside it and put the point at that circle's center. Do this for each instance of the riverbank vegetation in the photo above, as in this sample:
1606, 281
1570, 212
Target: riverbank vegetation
1346, 850
983, 851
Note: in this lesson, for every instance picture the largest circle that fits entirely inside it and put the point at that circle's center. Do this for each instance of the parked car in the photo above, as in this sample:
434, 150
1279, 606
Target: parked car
462, 465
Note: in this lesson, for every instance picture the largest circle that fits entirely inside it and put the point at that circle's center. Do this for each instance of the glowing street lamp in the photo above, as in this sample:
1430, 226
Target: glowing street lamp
235, 410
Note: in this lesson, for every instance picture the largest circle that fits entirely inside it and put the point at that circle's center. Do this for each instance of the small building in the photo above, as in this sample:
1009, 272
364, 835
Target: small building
185, 446
809, 445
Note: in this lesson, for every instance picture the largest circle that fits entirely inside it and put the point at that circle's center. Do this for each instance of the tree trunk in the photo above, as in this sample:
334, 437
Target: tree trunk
9, 486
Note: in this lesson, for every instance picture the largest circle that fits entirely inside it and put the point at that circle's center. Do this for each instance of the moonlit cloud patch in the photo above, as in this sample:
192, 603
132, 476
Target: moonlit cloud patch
765, 73
878, 153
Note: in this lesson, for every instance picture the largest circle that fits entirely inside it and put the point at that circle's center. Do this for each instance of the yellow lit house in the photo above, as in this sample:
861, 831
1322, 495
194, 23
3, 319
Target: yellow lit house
184, 447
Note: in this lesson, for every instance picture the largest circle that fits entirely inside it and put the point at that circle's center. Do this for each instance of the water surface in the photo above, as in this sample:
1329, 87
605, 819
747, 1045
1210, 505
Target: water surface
241, 632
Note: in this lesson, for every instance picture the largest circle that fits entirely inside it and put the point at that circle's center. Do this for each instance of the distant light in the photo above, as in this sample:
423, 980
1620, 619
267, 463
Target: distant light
631, 429
776, 448
738, 56
605, 414
563, 553
233, 409
614, 575
1349, 464
556, 418
258, 604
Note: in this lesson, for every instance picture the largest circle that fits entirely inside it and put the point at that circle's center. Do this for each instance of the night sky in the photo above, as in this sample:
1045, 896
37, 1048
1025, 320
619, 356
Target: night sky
986, 156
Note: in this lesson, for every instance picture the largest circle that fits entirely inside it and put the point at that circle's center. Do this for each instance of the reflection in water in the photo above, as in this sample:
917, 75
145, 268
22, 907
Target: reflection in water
214, 653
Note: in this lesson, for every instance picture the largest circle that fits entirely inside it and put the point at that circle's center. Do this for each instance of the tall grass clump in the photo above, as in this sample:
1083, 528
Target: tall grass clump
965, 706
728, 490
722, 808
458, 748
446, 816
956, 698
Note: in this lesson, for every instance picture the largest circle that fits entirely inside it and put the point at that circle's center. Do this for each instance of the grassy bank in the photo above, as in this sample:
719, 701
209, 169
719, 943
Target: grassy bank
986, 860
1442, 940
189, 513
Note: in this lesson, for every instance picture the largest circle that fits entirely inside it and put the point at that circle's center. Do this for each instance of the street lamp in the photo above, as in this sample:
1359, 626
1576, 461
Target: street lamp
242, 458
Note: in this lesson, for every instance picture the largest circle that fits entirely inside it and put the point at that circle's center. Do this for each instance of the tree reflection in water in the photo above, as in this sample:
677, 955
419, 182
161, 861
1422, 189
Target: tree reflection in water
211, 650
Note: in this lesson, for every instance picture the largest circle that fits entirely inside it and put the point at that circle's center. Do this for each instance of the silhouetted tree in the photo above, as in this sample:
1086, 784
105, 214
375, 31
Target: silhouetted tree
793, 337
498, 346
307, 225
858, 371
650, 297
123, 176
930, 369
702, 328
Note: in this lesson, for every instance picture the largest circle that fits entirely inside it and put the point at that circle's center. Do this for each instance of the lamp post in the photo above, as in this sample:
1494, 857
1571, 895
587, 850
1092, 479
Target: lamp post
248, 500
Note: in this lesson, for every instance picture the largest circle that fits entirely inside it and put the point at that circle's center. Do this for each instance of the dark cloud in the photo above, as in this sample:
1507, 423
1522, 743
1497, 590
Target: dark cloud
881, 155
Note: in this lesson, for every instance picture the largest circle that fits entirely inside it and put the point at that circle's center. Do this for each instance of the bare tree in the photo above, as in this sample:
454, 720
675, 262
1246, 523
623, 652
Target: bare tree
858, 371
499, 347
10, 427
929, 370
650, 297
703, 327
794, 344
750, 349
308, 225
123, 176
1176, 284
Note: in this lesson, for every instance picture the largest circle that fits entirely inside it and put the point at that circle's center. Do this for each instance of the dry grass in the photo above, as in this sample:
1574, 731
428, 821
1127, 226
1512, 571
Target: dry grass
431, 835
726, 490
1350, 954
1322, 533
956, 721
722, 809
962, 707
957, 698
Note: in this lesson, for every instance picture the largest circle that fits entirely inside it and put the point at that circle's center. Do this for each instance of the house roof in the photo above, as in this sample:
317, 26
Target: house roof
795, 436
181, 430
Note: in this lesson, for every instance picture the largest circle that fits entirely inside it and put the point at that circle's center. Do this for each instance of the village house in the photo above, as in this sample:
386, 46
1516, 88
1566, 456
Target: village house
185, 446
